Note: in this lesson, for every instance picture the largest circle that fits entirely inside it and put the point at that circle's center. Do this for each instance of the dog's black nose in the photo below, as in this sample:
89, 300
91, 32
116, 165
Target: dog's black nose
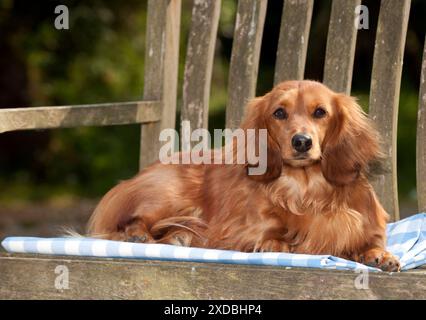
301, 142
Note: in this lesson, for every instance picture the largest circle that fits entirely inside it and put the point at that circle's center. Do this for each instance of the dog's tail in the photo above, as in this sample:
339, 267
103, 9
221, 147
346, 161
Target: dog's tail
69, 232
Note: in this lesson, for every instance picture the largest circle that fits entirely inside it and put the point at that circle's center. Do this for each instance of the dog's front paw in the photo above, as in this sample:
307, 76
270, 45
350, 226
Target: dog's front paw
271, 245
380, 258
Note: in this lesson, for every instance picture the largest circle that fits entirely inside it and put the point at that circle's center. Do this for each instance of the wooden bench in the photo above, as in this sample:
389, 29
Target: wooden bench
31, 276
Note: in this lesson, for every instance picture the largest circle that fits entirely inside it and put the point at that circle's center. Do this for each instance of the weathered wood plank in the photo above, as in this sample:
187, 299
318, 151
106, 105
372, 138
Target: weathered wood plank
33, 277
293, 40
79, 115
245, 58
384, 93
161, 70
421, 139
199, 62
341, 40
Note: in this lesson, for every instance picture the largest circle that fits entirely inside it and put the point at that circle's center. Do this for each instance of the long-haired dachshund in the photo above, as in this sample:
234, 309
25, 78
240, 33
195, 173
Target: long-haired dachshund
314, 197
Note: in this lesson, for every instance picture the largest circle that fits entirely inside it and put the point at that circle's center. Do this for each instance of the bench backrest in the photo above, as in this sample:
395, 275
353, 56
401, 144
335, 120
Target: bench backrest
158, 108
391, 32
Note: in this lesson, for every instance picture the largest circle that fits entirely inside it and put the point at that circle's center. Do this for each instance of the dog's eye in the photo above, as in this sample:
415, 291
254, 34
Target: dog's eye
280, 114
319, 112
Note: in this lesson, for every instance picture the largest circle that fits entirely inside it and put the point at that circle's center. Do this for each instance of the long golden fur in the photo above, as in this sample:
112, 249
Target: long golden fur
318, 201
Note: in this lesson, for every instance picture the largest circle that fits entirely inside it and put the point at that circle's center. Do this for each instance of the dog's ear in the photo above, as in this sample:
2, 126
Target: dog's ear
350, 144
255, 118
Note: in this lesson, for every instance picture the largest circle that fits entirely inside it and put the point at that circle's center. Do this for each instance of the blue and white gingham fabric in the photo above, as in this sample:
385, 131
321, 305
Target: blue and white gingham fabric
406, 239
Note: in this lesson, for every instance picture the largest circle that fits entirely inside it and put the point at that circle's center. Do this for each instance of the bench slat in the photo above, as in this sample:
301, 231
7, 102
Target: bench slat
80, 115
34, 277
199, 62
421, 139
245, 58
341, 42
293, 40
384, 93
161, 70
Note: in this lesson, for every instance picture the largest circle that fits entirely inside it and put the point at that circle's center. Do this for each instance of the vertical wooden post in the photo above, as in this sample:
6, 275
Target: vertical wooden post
293, 41
384, 93
421, 139
341, 40
245, 58
199, 63
161, 70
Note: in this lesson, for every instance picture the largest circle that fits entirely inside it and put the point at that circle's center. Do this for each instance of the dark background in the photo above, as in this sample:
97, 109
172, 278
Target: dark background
50, 178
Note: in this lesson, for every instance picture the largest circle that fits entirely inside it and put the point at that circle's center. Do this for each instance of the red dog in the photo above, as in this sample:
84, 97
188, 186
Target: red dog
314, 197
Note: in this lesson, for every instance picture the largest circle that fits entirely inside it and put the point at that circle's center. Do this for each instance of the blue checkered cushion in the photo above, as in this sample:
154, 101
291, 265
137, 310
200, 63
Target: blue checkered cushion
406, 239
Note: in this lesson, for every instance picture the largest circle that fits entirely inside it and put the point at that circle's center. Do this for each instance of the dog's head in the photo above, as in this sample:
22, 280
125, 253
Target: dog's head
309, 124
